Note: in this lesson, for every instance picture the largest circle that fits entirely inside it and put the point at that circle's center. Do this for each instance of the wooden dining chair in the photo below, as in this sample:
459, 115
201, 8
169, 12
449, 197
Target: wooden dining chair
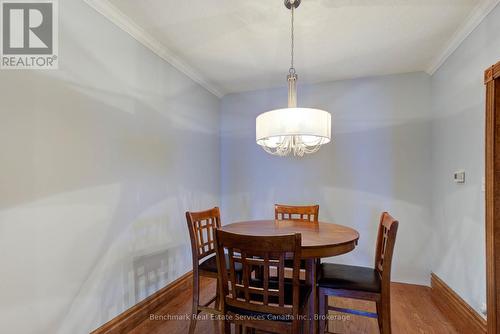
271, 304
298, 213
306, 213
373, 284
202, 226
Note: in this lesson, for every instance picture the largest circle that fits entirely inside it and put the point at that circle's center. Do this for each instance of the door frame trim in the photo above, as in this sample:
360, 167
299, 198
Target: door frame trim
492, 196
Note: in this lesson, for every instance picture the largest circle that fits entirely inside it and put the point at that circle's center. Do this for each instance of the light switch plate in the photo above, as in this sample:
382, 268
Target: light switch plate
459, 176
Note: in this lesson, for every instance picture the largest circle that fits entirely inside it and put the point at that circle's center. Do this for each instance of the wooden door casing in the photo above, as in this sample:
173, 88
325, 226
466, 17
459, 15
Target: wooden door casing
492, 176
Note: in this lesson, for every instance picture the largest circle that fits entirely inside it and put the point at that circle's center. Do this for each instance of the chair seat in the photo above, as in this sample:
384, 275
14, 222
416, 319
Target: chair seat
289, 264
304, 292
210, 265
339, 276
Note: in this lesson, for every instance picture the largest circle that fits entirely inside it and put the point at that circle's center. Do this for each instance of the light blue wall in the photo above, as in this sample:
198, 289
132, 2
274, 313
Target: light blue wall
95, 175
379, 160
99, 162
458, 104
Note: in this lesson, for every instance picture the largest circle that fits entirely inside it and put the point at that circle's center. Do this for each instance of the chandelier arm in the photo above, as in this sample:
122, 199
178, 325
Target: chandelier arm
295, 145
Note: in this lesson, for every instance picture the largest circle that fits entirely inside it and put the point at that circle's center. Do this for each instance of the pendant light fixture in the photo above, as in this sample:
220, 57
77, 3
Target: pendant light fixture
293, 130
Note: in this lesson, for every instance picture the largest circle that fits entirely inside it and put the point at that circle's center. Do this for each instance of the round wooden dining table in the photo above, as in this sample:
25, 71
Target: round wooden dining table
319, 240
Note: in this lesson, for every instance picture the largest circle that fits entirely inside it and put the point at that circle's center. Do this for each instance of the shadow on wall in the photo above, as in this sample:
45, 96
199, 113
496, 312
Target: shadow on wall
93, 176
392, 162
353, 179
151, 271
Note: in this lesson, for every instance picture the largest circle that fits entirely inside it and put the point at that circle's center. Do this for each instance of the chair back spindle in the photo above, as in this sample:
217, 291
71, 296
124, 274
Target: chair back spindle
386, 240
202, 226
297, 213
262, 294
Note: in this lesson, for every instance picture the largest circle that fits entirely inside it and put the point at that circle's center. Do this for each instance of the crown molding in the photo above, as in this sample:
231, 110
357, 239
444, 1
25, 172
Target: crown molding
473, 20
113, 14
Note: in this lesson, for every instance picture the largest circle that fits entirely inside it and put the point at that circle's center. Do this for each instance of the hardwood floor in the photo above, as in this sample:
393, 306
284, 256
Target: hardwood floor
412, 312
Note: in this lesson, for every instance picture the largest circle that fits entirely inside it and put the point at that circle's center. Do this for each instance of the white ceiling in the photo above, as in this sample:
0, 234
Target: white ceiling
235, 45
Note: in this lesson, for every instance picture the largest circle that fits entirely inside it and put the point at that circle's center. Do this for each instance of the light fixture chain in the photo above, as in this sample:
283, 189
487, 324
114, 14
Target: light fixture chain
293, 130
292, 41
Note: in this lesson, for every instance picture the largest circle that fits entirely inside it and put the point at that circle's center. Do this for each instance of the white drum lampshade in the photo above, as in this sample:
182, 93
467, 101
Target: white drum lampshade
297, 130
293, 130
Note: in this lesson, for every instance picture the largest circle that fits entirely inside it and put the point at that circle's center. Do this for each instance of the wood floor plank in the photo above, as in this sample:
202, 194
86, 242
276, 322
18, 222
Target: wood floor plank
413, 312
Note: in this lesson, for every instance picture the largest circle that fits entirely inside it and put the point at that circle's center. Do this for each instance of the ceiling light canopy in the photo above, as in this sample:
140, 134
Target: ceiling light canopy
293, 130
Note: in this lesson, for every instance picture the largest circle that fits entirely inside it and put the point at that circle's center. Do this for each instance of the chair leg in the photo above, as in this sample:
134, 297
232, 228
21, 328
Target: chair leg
219, 327
196, 299
227, 327
386, 315
217, 295
296, 327
379, 315
323, 311
249, 330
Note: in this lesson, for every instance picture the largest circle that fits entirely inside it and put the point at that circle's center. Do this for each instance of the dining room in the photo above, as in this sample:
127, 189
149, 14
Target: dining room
250, 167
